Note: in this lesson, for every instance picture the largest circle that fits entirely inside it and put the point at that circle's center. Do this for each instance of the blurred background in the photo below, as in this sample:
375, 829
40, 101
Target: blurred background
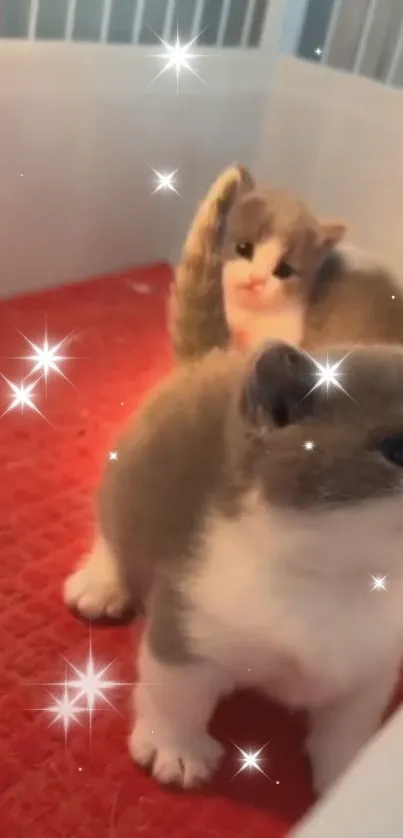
308, 93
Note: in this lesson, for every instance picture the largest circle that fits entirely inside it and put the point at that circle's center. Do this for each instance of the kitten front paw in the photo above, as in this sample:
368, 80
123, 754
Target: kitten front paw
187, 763
95, 591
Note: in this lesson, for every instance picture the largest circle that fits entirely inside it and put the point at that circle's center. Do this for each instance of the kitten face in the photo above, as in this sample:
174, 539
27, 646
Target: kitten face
272, 248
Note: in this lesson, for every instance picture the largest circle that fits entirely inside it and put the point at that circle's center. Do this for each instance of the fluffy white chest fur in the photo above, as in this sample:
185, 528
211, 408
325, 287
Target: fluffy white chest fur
282, 602
285, 601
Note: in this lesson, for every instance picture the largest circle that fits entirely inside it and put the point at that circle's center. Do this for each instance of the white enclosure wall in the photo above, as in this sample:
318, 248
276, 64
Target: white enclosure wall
83, 124
82, 127
336, 135
337, 140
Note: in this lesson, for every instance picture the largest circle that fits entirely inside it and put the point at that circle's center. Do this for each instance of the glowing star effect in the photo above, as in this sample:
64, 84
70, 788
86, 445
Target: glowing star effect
82, 693
46, 358
328, 375
178, 56
22, 396
379, 583
165, 181
64, 711
250, 760
113, 455
318, 51
91, 684
309, 445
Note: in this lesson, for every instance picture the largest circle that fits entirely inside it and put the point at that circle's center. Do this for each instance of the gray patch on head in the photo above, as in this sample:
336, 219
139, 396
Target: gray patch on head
345, 465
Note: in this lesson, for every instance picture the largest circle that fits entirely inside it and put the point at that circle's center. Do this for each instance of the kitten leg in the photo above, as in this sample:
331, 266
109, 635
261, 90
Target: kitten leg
94, 589
340, 730
173, 706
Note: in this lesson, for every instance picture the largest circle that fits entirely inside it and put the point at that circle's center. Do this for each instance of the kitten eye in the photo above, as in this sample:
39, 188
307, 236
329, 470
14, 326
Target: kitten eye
392, 449
245, 250
284, 270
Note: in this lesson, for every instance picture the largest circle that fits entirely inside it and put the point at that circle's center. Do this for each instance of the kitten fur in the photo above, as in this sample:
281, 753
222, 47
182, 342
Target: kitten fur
334, 297
254, 555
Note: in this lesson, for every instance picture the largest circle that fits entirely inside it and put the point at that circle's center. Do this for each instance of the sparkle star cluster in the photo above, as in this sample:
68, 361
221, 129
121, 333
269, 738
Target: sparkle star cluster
177, 57
81, 693
43, 360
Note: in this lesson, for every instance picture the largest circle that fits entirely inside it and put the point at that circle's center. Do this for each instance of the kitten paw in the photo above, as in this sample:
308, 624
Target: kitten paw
188, 763
93, 592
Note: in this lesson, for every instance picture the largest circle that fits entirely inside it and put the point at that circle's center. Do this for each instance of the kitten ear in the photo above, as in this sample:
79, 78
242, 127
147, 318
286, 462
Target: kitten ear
208, 226
279, 386
330, 233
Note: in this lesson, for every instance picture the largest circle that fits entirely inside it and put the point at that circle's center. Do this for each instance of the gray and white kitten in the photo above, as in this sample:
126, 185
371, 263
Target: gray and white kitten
255, 552
258, 265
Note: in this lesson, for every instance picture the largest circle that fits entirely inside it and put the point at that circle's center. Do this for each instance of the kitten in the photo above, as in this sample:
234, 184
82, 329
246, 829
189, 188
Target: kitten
258, 265
255, 553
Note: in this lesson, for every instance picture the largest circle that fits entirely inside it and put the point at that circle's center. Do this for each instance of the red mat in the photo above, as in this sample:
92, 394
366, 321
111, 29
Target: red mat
86, 786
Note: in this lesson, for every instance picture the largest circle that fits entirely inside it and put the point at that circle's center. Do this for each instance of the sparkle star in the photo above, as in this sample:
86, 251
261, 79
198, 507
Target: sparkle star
47, 357
318, 51
82, 693
22, 396
64, 710
328, 375
91, 683
165, 181
309, 445
178, 56
113, 455
251, 760
379, 583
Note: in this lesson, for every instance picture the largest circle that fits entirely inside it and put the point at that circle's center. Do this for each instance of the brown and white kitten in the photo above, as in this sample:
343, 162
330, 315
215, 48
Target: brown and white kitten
256, 552
258, 265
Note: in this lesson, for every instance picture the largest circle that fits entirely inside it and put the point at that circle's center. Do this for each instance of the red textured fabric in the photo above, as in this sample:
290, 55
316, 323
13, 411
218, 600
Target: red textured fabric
87, 786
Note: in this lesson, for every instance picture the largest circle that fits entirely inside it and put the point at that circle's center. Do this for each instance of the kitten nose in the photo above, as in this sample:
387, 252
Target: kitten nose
257, 280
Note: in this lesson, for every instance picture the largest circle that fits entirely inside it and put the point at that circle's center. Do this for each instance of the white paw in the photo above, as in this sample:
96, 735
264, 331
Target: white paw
188, 763
93, 592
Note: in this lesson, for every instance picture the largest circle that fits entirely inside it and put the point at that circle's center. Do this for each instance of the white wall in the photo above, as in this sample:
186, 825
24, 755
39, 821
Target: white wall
367, 802
337, 140
81, 125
